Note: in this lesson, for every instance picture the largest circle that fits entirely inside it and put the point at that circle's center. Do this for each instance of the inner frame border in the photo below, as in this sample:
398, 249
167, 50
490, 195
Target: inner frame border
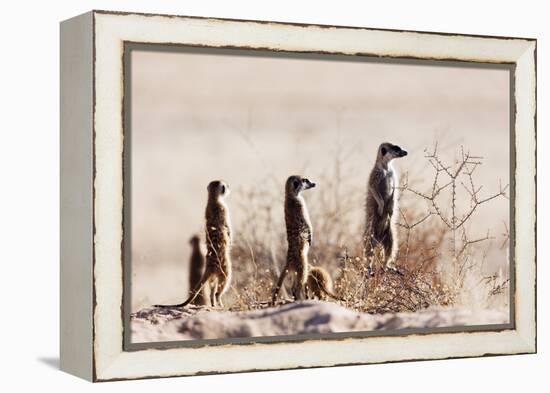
129, 46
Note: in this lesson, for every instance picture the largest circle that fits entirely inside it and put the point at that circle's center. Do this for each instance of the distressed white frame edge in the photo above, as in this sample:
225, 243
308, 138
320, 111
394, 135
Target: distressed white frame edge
76, 205
112, 29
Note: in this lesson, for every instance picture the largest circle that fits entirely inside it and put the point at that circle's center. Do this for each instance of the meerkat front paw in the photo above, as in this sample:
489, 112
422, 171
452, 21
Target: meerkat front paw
391, 268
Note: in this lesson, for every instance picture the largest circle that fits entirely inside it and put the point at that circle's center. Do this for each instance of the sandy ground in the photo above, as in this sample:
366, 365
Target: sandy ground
306, 317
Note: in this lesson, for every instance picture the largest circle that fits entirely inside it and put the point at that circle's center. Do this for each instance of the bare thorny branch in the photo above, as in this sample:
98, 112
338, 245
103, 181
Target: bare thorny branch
451, 175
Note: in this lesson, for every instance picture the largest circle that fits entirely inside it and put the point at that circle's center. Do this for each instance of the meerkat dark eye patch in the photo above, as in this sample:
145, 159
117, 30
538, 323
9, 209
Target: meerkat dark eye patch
222, 188
396, 148
383, 151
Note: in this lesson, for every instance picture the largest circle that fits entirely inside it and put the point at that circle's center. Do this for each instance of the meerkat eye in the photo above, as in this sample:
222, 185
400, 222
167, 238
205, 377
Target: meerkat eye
396, 148
222, 188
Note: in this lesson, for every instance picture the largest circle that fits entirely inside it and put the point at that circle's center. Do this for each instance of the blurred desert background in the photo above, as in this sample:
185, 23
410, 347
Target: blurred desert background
253, 120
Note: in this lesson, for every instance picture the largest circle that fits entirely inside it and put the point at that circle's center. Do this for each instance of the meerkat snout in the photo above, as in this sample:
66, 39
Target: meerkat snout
308, 184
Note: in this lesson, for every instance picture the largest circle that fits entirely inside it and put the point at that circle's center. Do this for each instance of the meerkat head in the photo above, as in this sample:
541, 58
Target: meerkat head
388, 151
195, 240
218, 189
296, 184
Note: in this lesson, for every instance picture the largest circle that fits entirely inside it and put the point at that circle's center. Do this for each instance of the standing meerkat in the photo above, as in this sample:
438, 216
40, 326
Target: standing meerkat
217, 272
380, 208
319, 284
298, 233
196, 270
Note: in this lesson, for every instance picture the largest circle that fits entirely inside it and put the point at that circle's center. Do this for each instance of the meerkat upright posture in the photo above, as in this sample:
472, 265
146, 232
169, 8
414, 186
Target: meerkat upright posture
196, 271
319, 284
381, 206
217, 272
298, 233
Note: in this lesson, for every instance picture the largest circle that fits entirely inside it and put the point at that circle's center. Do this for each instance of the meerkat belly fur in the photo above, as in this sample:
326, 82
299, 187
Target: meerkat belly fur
381, 208
217, 272
299, 233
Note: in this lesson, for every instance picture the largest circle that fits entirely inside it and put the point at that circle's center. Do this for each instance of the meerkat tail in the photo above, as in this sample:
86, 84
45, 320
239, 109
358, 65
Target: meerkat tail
191, 298
330, 294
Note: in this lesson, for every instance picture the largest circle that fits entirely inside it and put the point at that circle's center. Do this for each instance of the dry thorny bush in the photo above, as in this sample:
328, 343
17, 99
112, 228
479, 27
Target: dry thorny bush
441, 264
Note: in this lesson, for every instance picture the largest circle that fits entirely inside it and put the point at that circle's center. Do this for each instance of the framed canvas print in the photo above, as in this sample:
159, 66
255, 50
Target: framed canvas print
245, 195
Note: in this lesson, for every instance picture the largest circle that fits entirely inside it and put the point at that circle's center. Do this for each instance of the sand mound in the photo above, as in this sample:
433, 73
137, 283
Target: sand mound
305, 317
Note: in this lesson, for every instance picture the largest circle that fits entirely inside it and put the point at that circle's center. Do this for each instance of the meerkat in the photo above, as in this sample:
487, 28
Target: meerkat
299, 233
319, 284
217, 271
196, 270
381, 206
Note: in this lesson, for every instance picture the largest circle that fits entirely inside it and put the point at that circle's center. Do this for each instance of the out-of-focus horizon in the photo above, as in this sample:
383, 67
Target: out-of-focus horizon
253, 121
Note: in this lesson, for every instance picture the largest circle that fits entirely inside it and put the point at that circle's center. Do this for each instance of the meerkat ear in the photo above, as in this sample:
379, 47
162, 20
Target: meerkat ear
384, 151
296, 184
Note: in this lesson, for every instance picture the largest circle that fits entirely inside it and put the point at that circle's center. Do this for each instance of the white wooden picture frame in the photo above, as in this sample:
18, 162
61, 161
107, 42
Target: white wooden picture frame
93, 327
